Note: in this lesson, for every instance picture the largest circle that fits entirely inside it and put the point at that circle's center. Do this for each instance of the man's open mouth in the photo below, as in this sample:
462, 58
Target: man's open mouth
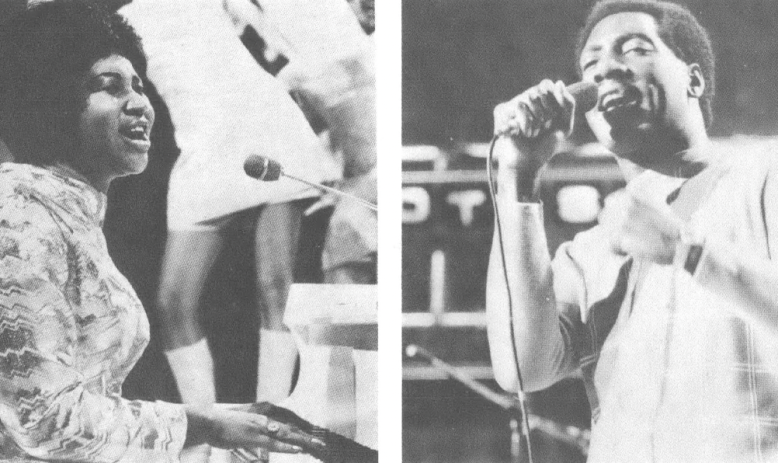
616, 102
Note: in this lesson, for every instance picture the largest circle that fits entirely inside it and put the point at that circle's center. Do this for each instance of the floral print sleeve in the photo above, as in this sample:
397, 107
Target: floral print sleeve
70, 329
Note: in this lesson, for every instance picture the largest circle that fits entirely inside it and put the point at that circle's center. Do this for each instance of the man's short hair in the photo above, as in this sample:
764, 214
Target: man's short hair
679, 30
46, 51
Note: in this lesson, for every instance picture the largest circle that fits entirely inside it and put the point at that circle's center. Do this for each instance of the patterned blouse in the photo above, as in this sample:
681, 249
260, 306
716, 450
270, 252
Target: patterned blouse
71, 329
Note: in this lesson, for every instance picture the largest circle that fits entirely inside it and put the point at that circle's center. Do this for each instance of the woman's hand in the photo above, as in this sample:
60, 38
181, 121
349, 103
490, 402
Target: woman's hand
237, 429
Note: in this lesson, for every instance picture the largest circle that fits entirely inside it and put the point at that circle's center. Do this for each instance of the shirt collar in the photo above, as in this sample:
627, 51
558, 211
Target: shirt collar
63, 189
93, 202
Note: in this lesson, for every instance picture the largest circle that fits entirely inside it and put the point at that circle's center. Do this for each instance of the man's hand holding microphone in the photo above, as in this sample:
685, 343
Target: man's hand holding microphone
639, 223
527, 129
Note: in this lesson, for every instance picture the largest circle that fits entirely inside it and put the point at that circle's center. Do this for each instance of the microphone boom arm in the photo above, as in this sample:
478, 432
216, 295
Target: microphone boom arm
575, 437
367, 204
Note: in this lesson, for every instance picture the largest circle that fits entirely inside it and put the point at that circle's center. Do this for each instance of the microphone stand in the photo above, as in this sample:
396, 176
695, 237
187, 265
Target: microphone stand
266, 170
367, 204
571, 435
503, 401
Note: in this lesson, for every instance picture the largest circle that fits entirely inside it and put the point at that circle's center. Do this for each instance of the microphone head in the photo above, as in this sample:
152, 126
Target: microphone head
262, 168
585, 95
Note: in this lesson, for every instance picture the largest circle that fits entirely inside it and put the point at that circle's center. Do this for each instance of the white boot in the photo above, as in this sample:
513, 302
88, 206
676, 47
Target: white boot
192, 368
277, 358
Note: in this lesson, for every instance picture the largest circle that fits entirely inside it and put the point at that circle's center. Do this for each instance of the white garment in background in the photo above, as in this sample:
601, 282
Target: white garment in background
224, 107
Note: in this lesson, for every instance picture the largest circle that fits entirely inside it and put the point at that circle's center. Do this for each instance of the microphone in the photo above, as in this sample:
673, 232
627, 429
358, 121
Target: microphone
584, 94
270, 170
262, 168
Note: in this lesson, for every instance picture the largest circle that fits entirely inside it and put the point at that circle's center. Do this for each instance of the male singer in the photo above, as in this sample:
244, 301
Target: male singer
669, 306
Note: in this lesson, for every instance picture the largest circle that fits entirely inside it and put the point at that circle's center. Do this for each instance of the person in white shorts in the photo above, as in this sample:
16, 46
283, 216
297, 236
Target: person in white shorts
224, 107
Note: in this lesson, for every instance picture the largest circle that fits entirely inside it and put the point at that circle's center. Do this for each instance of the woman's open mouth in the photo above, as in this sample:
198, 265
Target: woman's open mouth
137, 135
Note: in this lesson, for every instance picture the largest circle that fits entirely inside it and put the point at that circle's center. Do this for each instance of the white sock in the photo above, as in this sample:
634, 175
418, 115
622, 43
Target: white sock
193, 369
198, 454
277, 357
220, 456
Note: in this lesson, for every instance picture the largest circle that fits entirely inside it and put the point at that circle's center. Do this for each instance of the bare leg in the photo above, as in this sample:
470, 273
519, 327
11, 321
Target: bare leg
189, 256
276, 244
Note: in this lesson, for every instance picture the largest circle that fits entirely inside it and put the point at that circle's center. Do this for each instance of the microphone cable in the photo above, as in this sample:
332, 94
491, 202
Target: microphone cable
520, 394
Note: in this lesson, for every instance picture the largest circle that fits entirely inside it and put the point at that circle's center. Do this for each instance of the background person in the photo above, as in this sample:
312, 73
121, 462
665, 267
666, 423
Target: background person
252, 113
199, 66
331, 73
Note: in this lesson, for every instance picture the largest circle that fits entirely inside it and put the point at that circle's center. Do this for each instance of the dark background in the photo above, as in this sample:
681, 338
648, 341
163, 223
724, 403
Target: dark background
462, 57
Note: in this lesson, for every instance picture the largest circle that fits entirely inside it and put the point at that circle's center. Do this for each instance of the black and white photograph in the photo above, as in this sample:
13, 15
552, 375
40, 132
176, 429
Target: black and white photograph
188, 231
590, 211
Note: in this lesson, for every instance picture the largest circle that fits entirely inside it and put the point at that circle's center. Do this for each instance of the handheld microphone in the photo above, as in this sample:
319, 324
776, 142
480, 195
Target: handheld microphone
584, 94
269, 170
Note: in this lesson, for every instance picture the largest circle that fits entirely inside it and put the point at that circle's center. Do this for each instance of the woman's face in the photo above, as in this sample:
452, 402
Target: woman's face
115, 126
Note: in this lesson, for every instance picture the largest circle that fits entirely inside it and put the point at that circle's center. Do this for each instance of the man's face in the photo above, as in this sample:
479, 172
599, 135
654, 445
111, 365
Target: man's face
643, 86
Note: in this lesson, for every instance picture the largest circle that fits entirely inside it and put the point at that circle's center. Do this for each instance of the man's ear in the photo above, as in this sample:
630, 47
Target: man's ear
696, 85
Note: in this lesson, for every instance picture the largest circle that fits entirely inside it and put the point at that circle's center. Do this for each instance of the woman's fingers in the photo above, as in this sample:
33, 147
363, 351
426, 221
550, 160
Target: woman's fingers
238, 429
273, 445
284, 433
